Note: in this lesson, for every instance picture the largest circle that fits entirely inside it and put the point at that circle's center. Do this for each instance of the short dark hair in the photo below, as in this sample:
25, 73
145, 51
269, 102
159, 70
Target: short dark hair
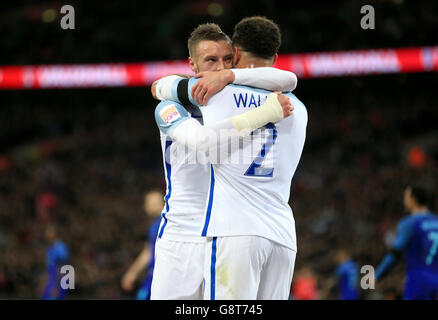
205, 31
421, 195
257, 35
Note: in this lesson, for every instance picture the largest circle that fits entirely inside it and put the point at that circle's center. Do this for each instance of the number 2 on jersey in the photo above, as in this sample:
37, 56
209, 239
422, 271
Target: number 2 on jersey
256, 169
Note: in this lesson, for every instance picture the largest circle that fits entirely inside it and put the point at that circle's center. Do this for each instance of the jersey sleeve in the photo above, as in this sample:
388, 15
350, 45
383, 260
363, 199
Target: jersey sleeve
169, 115
166, 88
404, 232
387, 264
268, 78
177, 89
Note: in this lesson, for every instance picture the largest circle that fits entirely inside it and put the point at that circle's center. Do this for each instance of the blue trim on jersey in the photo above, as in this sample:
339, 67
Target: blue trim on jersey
210, 202
213, 270
192, 82
169, 186
164, 225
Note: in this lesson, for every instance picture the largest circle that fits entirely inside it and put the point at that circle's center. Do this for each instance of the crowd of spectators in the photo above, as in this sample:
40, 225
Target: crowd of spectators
124, 31
83, 159
363, 149
88, 180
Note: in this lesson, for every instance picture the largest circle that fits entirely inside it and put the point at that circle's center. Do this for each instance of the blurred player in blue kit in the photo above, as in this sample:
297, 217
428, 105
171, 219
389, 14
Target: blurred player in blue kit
153, 205
57, 255
417, 239
346, 277
347, 274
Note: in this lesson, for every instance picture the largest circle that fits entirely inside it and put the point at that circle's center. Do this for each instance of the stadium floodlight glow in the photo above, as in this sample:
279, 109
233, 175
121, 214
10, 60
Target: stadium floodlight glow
307, 65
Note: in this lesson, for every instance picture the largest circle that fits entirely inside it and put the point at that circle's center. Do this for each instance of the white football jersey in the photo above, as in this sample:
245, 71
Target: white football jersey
250, 196
187, 178
187, 172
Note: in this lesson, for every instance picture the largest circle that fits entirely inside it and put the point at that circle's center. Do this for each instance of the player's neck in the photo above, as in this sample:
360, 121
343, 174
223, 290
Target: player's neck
419, 210
248, 61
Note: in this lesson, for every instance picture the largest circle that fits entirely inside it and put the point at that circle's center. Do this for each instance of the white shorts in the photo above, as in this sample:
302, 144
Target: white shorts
247, 268
178, 271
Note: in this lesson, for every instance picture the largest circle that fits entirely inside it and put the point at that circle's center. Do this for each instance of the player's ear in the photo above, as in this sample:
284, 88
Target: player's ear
275, 59
192, 65
236, 55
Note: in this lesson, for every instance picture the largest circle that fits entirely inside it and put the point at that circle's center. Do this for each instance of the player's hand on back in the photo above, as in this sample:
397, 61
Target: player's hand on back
211, 82
287, 106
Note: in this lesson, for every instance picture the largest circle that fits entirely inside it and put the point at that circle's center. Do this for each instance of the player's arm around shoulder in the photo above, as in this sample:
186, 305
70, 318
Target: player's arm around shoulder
268, 78
174, 120
166, 88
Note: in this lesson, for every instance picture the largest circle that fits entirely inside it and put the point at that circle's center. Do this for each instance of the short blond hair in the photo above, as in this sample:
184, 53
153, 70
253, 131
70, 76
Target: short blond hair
205, 31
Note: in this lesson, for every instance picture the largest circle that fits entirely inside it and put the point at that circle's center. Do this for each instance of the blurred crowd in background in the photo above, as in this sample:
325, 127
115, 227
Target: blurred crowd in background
83, 159
114, 31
